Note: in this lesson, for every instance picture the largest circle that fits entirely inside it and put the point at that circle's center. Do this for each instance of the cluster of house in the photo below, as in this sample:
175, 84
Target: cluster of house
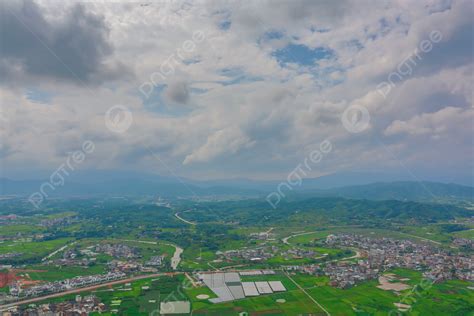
263, 236
80, 306
58, 221
125, 262
381, 254
9, 217
63, 285
134, 266
70, 258
117, 250
155, 261
389, 253
298, 253
10, 255
345, 274
255, 254
464, 243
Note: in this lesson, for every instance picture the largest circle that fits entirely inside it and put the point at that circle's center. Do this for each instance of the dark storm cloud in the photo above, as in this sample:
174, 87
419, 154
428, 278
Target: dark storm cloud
72, 49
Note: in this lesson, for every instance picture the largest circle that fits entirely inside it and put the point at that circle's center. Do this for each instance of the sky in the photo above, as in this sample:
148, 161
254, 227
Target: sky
238, 89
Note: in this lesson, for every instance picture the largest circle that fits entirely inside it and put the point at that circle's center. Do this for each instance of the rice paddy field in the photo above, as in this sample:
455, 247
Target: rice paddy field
448, 298
293, 302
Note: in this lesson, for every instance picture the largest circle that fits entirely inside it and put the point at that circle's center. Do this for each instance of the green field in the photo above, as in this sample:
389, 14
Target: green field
33, 250
448, 298
134, 298
15, 229
55, 273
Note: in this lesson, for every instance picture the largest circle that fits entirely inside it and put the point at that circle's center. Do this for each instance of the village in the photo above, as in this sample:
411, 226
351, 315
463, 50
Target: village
378, 255
81, 305
63, 285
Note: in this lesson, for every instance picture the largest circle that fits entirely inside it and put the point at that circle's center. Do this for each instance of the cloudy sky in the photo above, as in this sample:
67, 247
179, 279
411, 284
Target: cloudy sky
225, 89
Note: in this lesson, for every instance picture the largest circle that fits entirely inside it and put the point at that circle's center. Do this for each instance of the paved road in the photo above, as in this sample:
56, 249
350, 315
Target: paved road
183, 220
357, 252
140, 241
83, 289
285, 240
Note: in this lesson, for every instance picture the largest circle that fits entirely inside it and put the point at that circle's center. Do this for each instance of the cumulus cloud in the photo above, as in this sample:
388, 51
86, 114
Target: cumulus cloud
437, 124
72, 47
225, 141
245, 113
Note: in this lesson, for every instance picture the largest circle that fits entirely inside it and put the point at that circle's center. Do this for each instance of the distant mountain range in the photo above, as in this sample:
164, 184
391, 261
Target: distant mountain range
348, 185
402, 190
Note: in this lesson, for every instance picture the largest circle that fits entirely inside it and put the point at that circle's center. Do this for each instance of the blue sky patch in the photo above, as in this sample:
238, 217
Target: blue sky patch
224, 25
241, 79
190, 61
198, 90
39, 96
231, 72
236, 75
301, 54
273, 35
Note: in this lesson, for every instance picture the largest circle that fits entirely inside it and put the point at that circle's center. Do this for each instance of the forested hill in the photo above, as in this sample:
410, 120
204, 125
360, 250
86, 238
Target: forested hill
404, 190
326, 210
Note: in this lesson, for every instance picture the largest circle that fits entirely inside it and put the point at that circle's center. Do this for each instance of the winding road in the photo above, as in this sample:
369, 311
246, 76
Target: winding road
183, 220
357, 251
285, 240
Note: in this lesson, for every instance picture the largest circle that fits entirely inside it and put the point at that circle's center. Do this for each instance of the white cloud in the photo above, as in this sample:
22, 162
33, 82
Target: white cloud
225, 141
435, 125
245, 113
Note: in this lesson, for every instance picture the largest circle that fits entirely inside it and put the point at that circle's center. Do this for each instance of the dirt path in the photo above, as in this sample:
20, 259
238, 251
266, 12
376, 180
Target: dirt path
215, 269
191, 279
58, 251
307, 294
426, 239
